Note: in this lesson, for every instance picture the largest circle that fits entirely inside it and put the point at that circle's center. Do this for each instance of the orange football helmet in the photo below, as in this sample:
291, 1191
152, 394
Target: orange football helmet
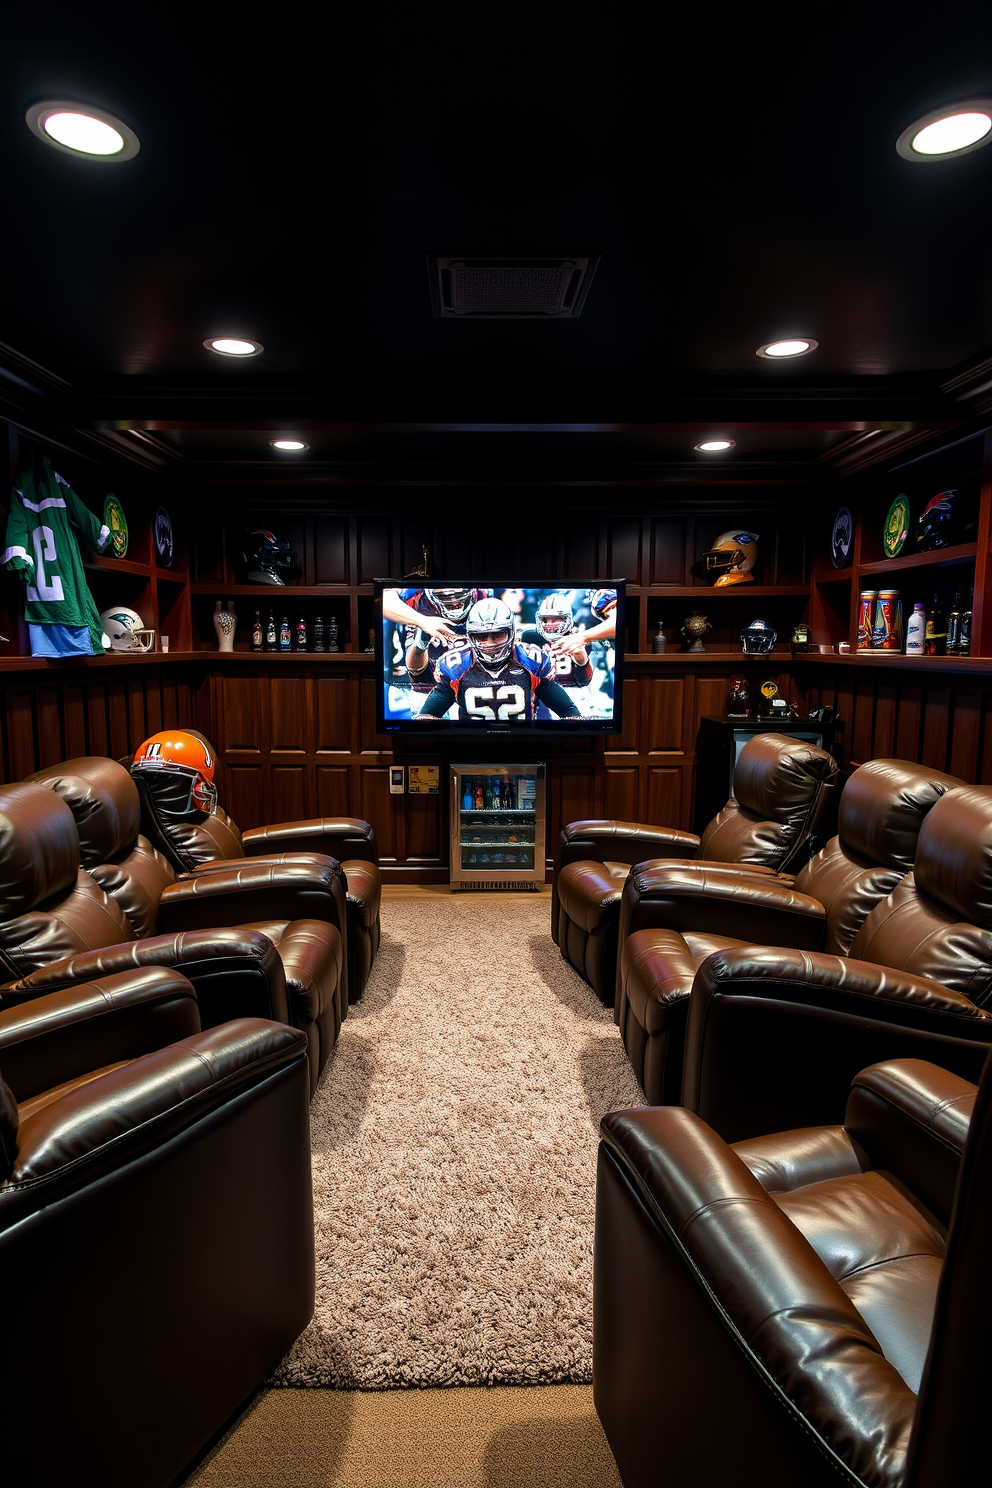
177, 753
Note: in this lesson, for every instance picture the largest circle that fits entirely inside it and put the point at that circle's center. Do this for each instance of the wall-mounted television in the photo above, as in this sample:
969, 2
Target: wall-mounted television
499, 657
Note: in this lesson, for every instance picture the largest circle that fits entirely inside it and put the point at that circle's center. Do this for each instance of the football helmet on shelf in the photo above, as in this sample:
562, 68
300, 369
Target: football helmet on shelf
734, 554
454, 604
126, 629
554, 617
268, 559
490, 633
182, 760
758, 638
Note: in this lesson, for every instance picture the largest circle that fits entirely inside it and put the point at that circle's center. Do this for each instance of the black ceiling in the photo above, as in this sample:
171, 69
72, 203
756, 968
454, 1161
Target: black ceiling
738, 178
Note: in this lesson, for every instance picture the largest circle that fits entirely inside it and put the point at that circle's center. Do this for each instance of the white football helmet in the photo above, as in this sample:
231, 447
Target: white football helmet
490, 632
126, 629
554, 616
453, 604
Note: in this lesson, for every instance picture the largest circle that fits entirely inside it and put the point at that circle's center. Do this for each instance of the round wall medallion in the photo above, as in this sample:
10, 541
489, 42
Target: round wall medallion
162, 527
114, 518
841, 538
896, 529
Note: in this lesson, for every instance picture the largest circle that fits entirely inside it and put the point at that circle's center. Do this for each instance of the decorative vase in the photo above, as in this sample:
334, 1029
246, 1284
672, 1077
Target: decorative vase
694, 628
225, 624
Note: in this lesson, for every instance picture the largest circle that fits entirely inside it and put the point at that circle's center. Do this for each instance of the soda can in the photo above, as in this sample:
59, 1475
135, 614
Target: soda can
866, 618
887, 633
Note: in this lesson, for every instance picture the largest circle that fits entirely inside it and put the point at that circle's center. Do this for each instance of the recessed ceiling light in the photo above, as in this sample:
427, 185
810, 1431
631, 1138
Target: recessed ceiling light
793, 346
233, 346
79, 129
714, 446
288, 444
955, 129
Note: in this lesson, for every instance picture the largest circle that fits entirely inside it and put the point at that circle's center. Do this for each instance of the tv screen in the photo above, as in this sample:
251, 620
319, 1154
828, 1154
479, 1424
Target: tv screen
499, 657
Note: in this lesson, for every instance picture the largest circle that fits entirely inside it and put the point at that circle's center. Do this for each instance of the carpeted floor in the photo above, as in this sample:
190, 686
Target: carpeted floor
454, 1140
501, 1438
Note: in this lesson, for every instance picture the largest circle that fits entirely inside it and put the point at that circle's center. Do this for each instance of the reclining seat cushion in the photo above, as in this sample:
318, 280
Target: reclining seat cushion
312, 956
780, 791
104, 803
937, 922
49, 907
882, 808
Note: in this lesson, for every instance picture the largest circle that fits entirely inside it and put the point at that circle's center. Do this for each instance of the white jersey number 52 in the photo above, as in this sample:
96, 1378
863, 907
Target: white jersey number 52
510, 699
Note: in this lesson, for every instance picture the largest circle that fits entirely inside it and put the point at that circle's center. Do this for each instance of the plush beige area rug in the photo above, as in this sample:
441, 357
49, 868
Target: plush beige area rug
454, 1142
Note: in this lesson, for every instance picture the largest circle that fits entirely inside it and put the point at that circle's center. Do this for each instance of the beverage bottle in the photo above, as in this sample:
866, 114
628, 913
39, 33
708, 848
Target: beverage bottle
916, 630
285, 634
489, 795
256, 632
497, 794
271, 640
319, 640
332, 633
954, 627
887, 634
479, 799
466, 794
866, 617
964, 632
935, 635
301, 633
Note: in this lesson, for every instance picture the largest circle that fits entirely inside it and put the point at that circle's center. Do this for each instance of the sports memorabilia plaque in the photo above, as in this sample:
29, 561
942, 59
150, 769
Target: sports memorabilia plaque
162, 528
114, 518
896, 529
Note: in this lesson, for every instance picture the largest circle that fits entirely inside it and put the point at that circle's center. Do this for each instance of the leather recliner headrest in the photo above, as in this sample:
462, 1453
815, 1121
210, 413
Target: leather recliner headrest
954, 854
883, 806
39, 849
777, 776
104, 803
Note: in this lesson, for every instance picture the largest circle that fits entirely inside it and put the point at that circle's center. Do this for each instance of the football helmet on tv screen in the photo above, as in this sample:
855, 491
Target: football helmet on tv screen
490, 632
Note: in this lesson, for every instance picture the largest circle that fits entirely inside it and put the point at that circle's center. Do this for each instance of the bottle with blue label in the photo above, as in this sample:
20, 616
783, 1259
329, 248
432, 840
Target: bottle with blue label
467, 794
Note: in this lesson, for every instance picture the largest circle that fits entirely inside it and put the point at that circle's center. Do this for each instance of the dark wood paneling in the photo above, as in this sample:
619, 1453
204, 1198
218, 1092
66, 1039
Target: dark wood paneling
665, 797
290, 714
334, 714
668, 557
661, 714
330, 545
240, 714
289, 794
335, 795
622, 792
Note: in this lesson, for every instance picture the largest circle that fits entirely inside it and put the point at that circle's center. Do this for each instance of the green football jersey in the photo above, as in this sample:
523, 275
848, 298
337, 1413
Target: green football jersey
46, 525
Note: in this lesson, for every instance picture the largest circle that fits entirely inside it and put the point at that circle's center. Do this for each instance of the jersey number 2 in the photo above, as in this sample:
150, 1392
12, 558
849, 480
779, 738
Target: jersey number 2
511, 701
43, 542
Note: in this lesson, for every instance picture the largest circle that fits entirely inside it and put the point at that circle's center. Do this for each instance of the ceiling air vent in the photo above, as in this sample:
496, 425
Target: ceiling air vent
510, 288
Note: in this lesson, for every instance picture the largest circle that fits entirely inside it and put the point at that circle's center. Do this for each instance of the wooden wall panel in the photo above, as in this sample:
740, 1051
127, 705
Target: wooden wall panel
335, 796
334, 714
377, 807
622, 792
239, 716
668, 555
424, 834
290, 715
289, 794
966, 729
244, 795
664, 801
330, 542
661, 714
374, 556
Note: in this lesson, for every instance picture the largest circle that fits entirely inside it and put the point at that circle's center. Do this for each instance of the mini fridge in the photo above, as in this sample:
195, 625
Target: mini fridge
497, 826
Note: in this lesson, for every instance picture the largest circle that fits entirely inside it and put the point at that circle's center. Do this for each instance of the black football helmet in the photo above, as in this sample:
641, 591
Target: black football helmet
758, 638
268, 559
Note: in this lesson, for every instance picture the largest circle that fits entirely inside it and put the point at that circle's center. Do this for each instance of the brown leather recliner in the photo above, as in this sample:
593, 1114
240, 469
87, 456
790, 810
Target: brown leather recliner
917, 983
673, 917
58, 927
783, 796
156, 1226
805, 1308
104, 803
192, 845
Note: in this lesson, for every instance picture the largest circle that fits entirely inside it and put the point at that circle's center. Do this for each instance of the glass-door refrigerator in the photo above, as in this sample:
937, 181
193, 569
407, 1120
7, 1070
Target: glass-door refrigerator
497, 826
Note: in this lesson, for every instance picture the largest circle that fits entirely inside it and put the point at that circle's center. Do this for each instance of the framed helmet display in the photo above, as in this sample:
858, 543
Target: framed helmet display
126, 629
732, 557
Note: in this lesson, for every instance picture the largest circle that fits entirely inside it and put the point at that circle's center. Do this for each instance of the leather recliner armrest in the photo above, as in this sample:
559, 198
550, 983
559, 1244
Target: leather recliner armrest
912, 1118
622, 842
722, 1246
300, 886
338, 836
690, 897
775, 1037
103, 1125
63, 1035
236, 972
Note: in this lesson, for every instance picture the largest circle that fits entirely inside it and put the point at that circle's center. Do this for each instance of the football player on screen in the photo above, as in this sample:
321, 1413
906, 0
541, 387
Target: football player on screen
435, 624
554, 619
495, 679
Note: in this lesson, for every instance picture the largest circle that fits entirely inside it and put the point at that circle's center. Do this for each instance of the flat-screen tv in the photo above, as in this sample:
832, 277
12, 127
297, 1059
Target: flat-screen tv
498, 657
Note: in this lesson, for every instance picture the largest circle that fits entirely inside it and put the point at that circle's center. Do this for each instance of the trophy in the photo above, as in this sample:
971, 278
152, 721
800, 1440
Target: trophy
738, 696
694, 628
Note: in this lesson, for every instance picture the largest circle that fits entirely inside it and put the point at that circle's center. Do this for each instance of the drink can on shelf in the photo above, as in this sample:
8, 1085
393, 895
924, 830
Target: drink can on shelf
866, 618
887, 632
